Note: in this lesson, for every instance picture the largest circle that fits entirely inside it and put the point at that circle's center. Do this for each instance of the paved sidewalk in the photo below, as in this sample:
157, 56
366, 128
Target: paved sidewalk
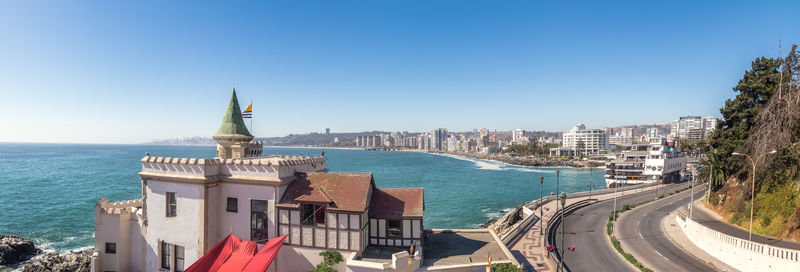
674, 233
532, 244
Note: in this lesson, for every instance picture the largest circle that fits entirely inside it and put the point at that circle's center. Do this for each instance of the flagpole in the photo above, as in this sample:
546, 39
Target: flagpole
251, 117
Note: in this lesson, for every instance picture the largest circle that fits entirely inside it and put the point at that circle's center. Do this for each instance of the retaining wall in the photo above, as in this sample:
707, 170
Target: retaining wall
739, 253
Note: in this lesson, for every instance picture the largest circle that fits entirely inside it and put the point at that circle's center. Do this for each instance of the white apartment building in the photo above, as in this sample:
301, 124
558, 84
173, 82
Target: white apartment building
518, 137
692, 127
580, 140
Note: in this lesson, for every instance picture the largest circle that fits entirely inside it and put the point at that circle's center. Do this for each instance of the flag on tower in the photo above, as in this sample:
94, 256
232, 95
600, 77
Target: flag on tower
248, 112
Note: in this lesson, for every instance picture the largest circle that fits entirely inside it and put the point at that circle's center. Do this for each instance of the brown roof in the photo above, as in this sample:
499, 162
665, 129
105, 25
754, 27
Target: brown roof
316, 196
346, 191
394, 203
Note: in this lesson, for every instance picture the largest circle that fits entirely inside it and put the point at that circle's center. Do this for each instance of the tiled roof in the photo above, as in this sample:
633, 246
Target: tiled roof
394, 203
317, 196
232, 122
347, 191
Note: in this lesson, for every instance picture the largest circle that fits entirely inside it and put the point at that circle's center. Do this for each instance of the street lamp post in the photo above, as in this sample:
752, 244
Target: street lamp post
753, 184
563, 202
557, 182
541, 207
590, 183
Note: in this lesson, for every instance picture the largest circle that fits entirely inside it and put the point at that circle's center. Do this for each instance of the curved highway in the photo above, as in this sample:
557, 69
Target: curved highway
642, 235
586, 229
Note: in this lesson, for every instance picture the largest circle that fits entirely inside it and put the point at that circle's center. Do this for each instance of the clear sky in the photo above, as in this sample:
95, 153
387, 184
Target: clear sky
113, 72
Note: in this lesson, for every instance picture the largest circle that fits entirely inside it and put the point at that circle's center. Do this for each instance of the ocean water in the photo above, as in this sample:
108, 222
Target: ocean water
48, 191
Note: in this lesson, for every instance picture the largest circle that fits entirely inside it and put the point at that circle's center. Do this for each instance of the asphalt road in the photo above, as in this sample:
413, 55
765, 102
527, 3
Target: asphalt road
641, 231
586, 229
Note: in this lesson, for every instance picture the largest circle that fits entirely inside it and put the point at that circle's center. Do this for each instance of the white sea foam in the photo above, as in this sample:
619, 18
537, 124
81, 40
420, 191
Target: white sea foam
497, 165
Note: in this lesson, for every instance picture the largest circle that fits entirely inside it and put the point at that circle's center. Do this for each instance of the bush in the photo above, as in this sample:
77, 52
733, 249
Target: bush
660, 196
504, 267
608, 227
330, 258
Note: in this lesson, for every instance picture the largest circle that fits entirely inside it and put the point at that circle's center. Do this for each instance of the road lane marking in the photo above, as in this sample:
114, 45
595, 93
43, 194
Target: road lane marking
665, 258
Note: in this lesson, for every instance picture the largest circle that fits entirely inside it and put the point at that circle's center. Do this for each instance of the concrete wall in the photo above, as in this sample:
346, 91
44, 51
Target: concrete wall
107, 230
238, 223
186, 229
296, 258
738, 253
122, 227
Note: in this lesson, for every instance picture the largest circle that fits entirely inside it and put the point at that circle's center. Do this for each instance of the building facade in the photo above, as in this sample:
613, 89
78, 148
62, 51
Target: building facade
580, 140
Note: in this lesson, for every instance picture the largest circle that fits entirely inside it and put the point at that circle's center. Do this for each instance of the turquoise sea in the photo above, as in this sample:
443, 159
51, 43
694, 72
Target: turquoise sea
48, 191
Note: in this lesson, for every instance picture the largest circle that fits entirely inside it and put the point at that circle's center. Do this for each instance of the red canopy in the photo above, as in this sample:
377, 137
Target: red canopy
234, 254
261, 261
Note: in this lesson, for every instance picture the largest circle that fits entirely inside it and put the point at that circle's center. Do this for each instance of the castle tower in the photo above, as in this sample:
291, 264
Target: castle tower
233, 138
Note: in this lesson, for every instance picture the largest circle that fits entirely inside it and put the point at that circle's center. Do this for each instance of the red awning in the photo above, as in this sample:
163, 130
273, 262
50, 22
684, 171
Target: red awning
234, 254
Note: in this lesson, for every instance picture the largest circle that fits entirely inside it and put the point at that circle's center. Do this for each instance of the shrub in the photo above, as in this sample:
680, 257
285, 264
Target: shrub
330, 258
504, 267
608, 227
661, 196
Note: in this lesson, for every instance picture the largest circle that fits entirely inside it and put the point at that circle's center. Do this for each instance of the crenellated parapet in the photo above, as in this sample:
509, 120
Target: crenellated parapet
119, 207
253, 169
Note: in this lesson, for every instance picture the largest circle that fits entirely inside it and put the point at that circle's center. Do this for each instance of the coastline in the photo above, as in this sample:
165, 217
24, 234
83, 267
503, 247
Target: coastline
518, 161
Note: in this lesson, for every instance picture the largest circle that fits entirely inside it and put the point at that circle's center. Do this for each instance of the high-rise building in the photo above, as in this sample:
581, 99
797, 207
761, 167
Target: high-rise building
580, 140
437, 139
692, 127
327, 130
518, 137
709, 125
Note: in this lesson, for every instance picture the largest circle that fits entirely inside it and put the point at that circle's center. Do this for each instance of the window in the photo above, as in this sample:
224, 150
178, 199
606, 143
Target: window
313, 214
395, 228
178, 258
111, 248
258, 220
165, 255
167, 258
233, 204
172, 205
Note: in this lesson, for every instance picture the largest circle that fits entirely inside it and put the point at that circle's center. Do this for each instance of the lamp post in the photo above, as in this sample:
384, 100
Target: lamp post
563, 202
753, 184
590, 183
541, 207
557, 182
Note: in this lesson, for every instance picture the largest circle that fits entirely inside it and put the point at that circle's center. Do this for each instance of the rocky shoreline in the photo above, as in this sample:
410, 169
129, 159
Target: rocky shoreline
16, 252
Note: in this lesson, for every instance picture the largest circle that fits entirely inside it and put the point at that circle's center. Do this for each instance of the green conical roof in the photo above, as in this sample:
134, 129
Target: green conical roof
232, 123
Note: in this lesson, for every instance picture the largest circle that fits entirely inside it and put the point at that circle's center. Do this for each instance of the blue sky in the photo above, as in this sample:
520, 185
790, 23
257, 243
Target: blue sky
112, 72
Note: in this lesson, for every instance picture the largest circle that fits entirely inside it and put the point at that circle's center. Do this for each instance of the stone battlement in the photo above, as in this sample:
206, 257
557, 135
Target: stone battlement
266, 168
268, 161
119, 207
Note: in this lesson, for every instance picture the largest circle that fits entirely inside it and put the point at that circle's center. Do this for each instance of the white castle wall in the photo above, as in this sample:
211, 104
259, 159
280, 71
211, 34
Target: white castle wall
185, 229
238, 223
739, 253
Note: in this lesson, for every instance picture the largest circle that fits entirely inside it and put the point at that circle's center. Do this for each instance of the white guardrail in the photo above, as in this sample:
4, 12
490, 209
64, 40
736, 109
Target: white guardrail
739, 253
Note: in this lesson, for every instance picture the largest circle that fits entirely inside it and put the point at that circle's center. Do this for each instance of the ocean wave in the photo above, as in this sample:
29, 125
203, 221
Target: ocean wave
497, 165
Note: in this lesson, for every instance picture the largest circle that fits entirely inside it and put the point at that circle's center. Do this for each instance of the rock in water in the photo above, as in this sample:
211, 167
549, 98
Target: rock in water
74, 261
504, 224
14, 249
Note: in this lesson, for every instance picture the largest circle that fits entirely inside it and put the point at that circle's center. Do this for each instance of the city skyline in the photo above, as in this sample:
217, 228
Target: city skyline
102, 73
